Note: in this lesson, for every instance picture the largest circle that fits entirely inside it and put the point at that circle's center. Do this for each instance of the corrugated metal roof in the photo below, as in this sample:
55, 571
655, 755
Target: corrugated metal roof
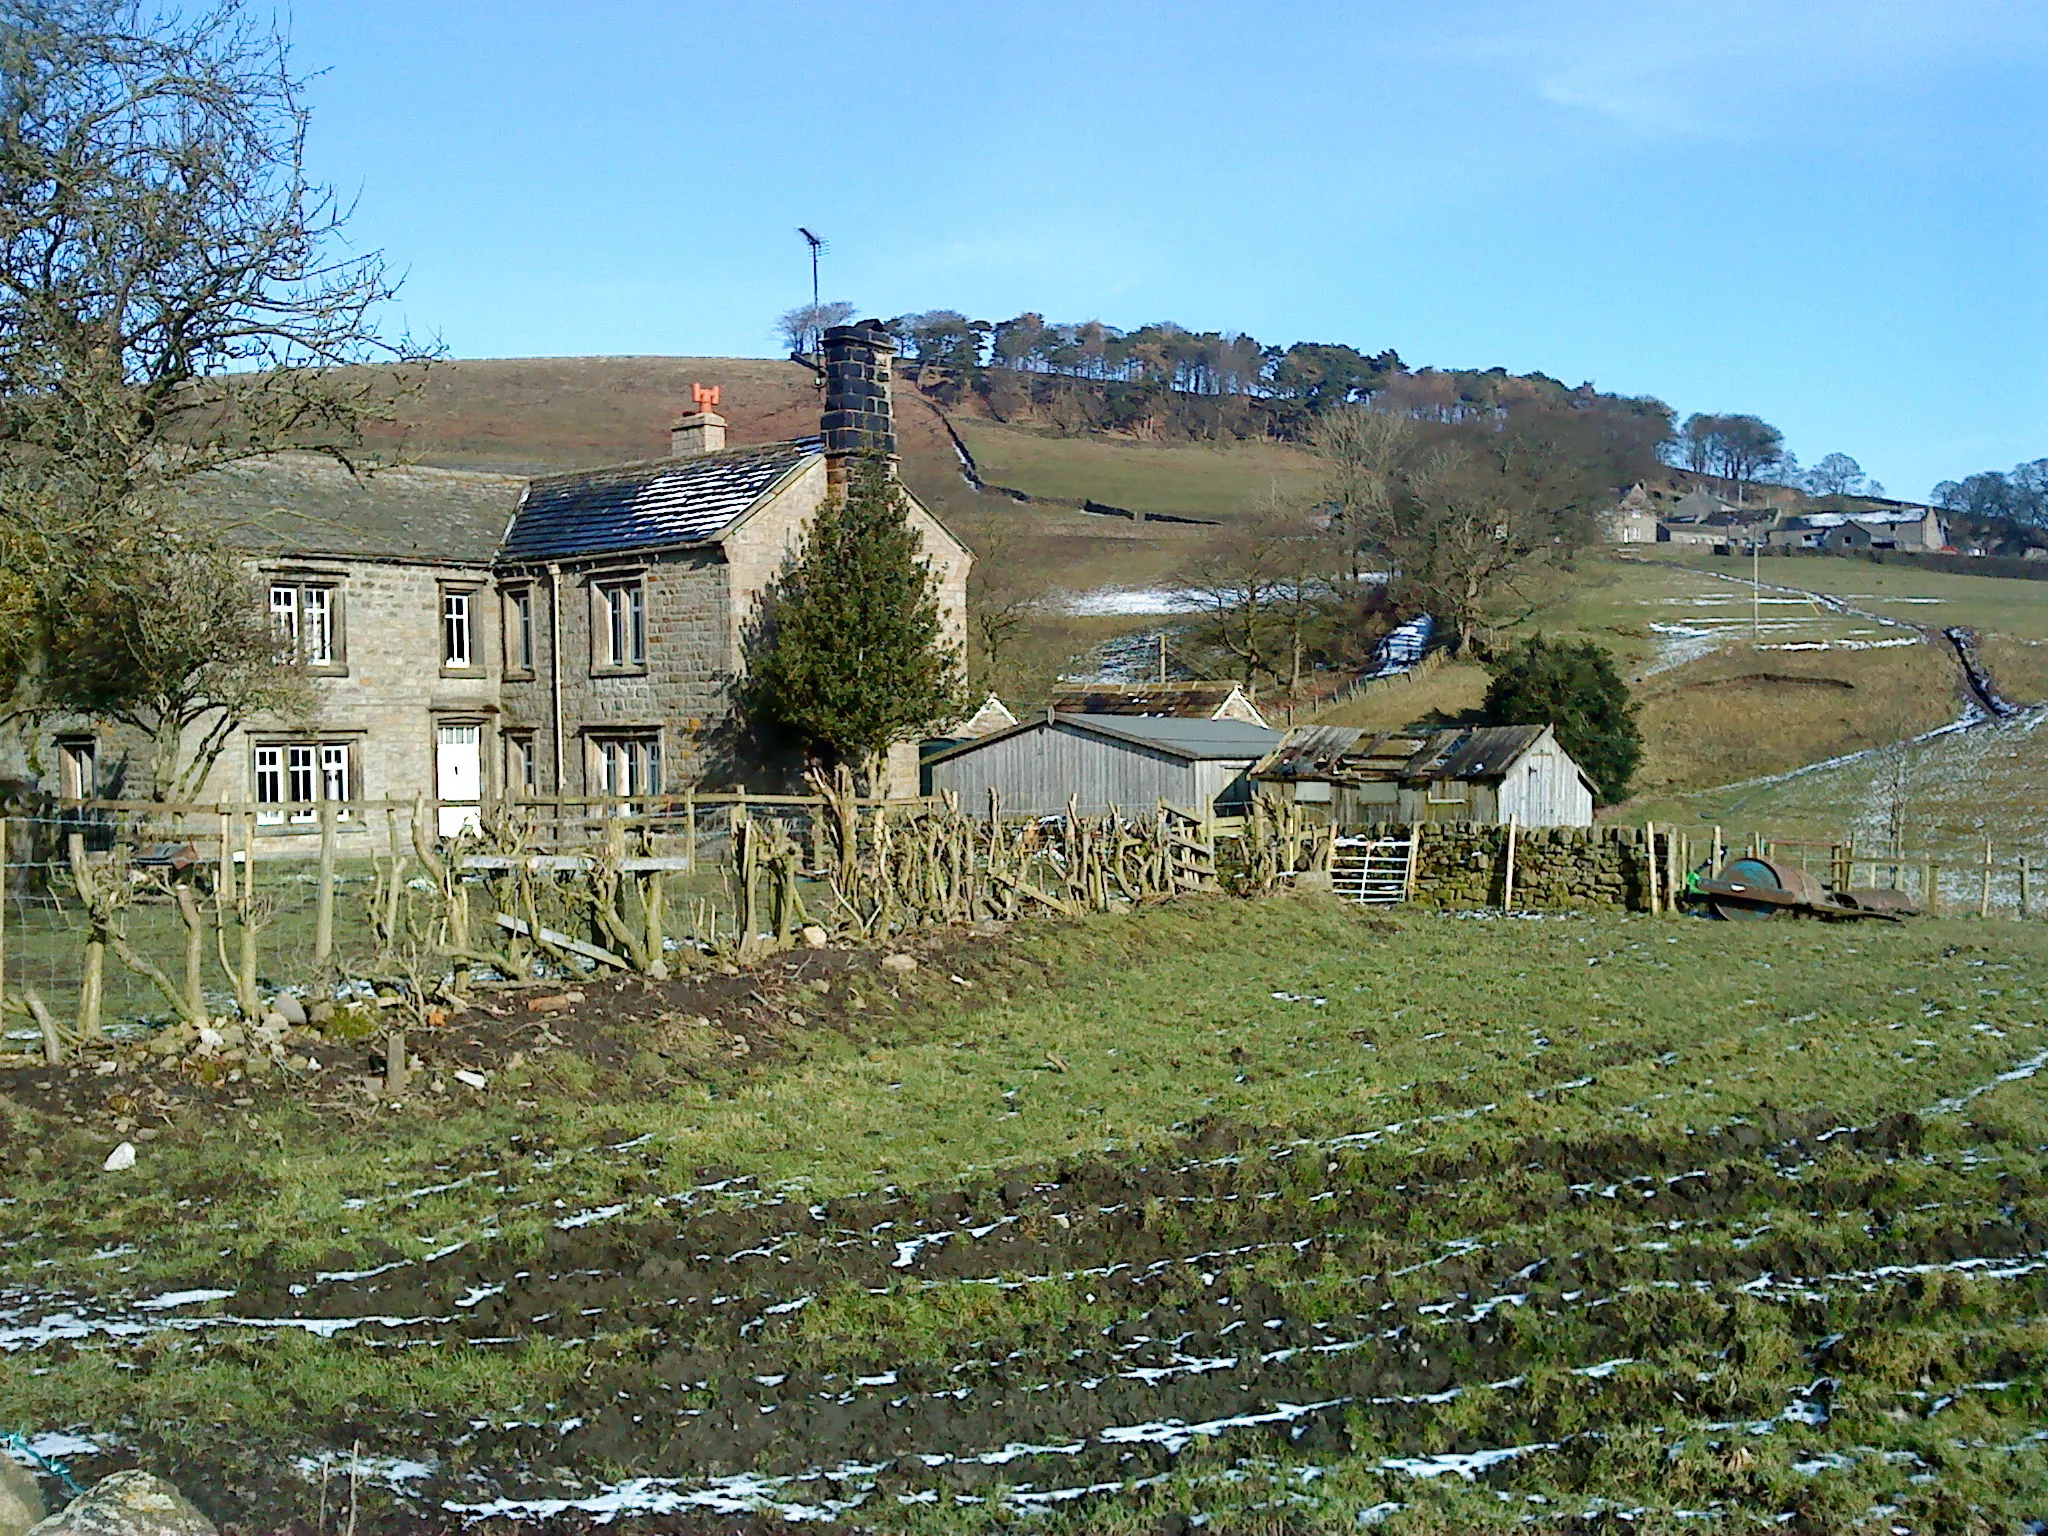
1341, 753
647, 506
1192, 739
1483, 752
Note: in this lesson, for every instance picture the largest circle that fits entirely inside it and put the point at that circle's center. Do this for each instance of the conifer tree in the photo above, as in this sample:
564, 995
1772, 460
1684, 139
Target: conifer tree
1576, 690
848, 654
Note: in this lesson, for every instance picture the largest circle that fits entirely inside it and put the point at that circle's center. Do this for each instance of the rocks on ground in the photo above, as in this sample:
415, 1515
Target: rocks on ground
21, 1505
127, 1504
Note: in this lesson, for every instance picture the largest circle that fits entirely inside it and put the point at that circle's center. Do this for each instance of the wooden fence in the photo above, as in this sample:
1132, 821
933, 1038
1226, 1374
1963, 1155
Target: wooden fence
196, 911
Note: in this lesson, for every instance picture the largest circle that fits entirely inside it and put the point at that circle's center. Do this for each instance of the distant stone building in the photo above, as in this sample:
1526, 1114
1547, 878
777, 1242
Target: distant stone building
1896, 525
1632, 521
473, 636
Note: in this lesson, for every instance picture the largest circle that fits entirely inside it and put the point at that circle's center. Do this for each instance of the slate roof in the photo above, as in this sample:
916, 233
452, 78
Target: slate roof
309, 505
653, 505
1188, 701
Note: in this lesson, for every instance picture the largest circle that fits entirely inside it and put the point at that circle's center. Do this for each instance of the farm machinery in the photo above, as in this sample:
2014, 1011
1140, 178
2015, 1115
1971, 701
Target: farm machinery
1752, 887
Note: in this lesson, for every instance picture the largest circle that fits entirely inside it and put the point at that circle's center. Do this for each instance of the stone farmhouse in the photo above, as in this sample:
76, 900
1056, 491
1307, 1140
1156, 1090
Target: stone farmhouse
474, 636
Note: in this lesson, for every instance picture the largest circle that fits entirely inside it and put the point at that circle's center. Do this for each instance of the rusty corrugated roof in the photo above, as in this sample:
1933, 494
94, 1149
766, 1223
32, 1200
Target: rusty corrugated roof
1473, 753
1341, 753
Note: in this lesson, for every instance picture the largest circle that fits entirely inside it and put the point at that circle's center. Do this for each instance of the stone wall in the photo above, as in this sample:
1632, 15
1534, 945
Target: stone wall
679, 694
1462, 865
384, 694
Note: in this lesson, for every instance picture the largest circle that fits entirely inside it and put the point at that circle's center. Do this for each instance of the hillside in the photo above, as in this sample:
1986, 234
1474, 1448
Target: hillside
525, 415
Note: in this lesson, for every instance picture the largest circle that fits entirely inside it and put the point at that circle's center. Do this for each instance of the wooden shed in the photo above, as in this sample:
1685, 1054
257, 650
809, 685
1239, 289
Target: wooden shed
1484, 774
1128, 761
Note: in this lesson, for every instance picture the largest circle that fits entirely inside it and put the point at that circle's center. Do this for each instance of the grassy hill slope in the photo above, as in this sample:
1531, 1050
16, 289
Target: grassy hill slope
531, 415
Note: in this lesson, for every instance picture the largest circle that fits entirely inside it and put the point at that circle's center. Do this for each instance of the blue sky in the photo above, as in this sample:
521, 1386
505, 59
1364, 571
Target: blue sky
1831, 214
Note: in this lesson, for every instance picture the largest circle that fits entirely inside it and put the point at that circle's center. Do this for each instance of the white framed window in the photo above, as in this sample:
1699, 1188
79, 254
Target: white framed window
303, 614
78, 768
625, 766
456, 647
622, 624
293, 777
519, 629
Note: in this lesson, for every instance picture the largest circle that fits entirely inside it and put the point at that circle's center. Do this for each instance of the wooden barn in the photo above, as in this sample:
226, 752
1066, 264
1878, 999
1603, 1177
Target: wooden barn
1484, 774
1128, 761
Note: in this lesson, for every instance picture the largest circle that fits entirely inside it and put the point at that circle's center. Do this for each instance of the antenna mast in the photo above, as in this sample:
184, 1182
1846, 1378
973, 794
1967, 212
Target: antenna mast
816, 244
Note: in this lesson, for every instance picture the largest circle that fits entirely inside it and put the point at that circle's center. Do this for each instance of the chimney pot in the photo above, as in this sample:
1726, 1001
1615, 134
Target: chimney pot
699, 433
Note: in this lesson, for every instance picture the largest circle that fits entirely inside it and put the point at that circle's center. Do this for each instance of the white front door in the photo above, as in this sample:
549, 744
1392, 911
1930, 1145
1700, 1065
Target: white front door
459, 776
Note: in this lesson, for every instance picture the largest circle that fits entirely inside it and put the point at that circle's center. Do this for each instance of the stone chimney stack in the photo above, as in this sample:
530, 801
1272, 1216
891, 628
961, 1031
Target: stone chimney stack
703, 431
859, 413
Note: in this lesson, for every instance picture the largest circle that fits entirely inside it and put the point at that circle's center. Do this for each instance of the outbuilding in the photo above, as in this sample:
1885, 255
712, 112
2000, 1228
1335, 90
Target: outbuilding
1482, 774
1131, 762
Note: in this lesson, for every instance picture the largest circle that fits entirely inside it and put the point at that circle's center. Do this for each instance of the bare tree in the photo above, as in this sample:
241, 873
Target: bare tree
170, 301
1263, 587
1007, 588
803, 328
1461, 515
182, 648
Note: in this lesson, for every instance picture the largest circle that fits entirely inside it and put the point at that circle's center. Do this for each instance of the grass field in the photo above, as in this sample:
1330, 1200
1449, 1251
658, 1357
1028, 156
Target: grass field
1273, 1211
2004, 605
1223, 480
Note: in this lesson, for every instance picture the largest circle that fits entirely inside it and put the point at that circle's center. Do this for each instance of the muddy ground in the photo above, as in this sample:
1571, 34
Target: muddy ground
719, 1022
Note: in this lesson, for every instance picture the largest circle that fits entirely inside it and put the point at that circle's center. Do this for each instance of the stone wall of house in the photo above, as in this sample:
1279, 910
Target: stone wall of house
1463, 865
681, 694
384, 695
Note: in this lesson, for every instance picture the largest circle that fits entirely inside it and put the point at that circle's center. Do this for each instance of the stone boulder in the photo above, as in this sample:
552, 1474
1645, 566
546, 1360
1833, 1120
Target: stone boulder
128, 1504
21, 1505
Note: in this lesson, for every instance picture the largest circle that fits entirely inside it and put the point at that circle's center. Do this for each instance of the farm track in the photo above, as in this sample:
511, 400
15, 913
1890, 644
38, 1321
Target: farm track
1244, 1298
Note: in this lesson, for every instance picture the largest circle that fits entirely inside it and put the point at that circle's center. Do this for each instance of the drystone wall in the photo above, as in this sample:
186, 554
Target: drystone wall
1465, 865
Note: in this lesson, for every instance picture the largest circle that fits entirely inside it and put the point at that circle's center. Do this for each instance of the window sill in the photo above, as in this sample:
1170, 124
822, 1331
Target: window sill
474, 672
520, 675
639, 670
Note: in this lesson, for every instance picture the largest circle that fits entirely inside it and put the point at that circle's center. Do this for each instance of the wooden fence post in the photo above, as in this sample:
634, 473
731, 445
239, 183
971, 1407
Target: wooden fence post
2024, 892
5, 882
1984, 891
92, 984
323, 908
1507, 883
1650, 864
1930, 885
